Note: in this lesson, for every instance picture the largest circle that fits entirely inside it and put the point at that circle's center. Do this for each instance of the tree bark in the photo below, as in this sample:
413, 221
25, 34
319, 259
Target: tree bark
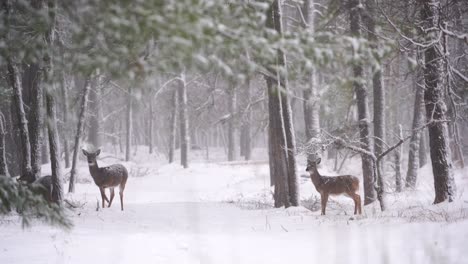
183, 119
15, 83
129, 125
150, 125
54, 141
444, 182
363, 110
423, 144
232, 98
246, 127
379, 97
95, 115
54, 147
413, 154
65, 130
281, 130
311, 103
173, 135
79, 130
3, 160
33, 82
45, 146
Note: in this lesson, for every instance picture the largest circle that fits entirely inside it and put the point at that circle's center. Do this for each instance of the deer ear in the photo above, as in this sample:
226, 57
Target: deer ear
85, 152
98, 152
319, 160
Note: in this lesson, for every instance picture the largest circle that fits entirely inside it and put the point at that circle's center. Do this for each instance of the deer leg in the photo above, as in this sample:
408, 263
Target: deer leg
324, 198
111, 196
103, 196
121, 190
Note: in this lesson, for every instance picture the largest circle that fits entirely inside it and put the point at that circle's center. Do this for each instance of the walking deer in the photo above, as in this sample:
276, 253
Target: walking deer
325, 185
107, 177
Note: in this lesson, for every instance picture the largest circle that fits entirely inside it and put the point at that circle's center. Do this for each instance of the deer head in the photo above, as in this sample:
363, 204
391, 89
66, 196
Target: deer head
312, 165
91, 156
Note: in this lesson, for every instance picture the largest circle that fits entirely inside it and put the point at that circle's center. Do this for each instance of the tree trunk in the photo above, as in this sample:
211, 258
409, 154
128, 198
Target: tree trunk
183, 119
95, 112
45, 146
281, 131
54, 141
398, 183
246, 127
3, 160
232, 98
173, 135
423, 144
79, 130
379, 98
311, 102
150, 125
129, 123
444, 182
33, 83
363, 110
15, 83
54, 147
413, 154
65, 130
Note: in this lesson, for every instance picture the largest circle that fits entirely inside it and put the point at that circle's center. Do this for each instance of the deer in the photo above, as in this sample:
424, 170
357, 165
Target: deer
107, 177
347, 185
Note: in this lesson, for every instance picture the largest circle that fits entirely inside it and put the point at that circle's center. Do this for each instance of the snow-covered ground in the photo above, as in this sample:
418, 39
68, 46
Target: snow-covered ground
219, 212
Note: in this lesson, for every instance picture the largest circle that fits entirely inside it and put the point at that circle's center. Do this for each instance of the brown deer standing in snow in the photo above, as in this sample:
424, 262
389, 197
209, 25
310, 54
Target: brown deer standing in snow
107, 177
325, 185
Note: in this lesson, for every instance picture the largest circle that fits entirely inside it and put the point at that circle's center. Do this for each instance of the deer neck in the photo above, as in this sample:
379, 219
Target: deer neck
316, 178
93, 168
